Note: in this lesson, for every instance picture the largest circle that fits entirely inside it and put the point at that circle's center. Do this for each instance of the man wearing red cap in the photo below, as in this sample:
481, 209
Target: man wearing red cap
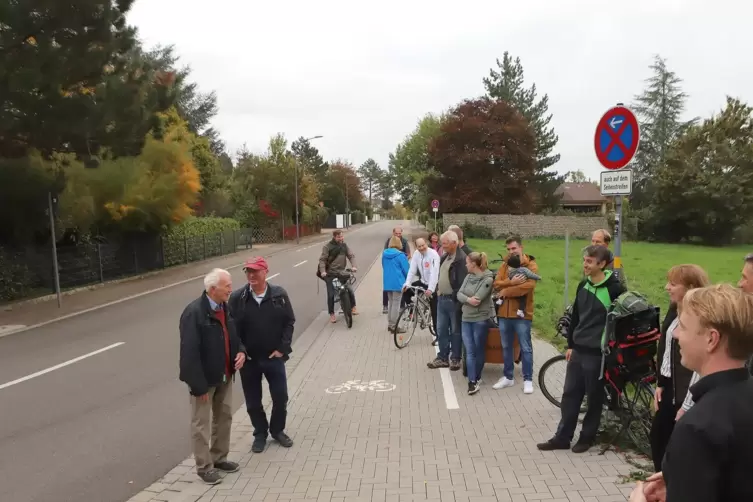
265, 322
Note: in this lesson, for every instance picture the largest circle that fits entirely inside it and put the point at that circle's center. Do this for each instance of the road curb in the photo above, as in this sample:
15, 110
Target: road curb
136, 295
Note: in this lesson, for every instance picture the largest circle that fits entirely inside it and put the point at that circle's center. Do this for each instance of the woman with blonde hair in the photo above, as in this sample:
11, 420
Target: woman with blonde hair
394, 271
674, 379
476, 304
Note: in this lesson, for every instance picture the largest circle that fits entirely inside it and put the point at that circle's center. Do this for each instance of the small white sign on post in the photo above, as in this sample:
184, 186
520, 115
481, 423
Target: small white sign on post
436, 209
617, 182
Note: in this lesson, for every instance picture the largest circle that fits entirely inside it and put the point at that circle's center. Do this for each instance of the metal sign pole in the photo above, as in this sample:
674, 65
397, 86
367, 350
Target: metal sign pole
567, 265
55, 269
618, 236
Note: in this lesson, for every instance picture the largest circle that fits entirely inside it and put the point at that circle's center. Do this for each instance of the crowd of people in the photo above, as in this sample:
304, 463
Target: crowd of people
702, 430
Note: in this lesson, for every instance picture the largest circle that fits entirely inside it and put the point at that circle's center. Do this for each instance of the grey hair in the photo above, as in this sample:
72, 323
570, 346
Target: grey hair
457, 230
212, 279
450, 236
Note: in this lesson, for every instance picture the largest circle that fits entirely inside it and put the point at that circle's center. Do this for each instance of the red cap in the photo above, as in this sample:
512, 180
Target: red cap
256, 263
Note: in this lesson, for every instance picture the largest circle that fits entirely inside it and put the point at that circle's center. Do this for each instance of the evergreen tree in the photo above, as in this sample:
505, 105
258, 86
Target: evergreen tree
371, 176
508, 84
58, 61
659, 109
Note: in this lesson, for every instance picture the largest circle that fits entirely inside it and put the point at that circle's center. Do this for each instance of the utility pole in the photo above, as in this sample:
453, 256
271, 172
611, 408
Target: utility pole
297, 222
55, 269
347, 204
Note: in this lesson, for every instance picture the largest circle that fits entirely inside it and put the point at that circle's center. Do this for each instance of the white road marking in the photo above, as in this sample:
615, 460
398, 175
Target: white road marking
299, 264
450, 399
272, 276
11, 328
61, 365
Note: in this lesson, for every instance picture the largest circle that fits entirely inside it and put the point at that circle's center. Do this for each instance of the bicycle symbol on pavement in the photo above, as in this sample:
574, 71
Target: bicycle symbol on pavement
361, 386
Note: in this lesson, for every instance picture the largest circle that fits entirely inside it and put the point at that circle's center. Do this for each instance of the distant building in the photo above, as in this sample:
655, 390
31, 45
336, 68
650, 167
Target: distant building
582, 198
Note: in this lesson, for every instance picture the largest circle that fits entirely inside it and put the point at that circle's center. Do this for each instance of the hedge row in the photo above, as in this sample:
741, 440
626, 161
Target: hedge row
194, 227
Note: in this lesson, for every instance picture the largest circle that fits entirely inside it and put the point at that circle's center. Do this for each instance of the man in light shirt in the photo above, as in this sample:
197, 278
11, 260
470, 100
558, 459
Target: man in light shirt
424, 272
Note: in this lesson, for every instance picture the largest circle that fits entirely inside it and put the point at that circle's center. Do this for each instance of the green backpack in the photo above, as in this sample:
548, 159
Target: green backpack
630, 302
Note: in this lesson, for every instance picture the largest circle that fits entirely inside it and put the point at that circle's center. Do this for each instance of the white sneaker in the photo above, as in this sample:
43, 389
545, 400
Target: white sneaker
527, 387
503, 383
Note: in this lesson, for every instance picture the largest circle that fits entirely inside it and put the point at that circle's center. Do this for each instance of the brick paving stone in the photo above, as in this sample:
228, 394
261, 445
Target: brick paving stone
402, 444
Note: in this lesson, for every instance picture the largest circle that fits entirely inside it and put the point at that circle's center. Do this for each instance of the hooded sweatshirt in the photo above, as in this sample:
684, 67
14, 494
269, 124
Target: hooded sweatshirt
589, 319
395, 268
480, 286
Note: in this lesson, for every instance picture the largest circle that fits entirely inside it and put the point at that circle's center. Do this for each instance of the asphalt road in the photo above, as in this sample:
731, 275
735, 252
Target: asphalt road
107, 426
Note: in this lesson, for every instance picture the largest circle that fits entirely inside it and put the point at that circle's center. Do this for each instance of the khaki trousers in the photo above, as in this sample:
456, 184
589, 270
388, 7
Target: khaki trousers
219, 408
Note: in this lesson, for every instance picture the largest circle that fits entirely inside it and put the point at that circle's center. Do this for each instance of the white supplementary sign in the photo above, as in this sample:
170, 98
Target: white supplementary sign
361, 386
618, 182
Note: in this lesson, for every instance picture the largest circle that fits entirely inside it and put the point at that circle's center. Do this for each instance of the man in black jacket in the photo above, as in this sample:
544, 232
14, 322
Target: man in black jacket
452, 272
593, 298
265, 324
210, 353
710, 451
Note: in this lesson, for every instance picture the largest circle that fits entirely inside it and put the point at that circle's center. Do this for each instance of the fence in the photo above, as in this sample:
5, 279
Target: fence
30, 272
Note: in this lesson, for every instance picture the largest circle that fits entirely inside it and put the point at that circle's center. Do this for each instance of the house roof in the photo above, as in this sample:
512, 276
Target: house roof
580, 194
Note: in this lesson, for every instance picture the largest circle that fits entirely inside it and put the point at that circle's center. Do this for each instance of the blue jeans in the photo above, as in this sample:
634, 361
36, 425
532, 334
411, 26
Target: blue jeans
448, 328
507, 329
474, 341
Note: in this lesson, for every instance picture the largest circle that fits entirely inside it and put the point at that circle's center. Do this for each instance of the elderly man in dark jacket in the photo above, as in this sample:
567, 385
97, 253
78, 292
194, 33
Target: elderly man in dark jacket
265, 324
210, 353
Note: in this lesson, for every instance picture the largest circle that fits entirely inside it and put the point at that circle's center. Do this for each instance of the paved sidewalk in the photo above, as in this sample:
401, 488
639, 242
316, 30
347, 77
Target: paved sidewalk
396, 440
33, 311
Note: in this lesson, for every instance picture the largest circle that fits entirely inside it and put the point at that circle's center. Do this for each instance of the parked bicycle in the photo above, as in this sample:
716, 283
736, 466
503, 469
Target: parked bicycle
340, 283
414, 314
629, 375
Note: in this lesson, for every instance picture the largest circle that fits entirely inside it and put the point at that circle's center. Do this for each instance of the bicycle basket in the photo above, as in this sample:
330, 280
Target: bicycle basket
633, 327
630, 362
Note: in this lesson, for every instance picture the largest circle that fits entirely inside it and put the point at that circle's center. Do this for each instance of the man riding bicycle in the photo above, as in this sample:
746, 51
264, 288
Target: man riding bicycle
332, 263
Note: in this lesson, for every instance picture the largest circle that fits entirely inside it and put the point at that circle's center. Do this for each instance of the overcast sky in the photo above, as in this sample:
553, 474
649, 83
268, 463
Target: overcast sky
362, 75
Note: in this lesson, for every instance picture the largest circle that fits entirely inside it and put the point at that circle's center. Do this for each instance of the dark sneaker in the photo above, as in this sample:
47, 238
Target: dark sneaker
553, 444
283, 439
455, 365
210, 477
434, 342
226, 466
473, 387
438, 363
582, 446
259, 444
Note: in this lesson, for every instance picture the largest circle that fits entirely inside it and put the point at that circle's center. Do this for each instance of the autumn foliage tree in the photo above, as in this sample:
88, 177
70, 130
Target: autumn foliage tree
484, 160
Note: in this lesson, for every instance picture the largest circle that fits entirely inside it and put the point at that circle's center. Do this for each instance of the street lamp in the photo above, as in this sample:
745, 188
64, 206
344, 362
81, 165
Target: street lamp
297, 223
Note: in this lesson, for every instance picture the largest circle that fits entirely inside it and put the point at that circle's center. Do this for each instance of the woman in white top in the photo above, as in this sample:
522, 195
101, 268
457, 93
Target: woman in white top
674, 379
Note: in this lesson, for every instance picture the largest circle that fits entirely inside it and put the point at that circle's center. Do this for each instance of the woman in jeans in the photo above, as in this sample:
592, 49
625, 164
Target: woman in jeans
394, 271
674, 379
476, 300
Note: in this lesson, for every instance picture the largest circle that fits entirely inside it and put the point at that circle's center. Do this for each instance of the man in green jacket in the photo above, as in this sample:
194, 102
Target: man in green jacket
333, 261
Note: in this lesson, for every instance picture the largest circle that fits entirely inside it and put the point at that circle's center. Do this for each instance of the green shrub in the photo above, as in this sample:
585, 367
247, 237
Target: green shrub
472, 231
193, 227
16, 279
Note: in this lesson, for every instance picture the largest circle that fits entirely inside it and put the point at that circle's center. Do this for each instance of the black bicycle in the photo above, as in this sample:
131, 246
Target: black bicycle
340, 283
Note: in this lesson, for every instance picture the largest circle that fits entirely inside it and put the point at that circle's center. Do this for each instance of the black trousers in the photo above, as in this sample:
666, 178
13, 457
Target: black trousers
408, 296
273, 370
582, 377
663, 425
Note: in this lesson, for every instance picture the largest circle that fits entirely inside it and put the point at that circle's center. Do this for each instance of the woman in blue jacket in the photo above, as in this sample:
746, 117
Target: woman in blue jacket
395, 268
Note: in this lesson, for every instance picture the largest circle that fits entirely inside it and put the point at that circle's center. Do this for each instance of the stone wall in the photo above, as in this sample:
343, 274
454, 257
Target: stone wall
530, 225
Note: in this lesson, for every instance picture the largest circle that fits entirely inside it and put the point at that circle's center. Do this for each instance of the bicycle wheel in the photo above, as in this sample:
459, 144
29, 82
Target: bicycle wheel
552, 381
639, 408
408, 317
347, 308
554, 369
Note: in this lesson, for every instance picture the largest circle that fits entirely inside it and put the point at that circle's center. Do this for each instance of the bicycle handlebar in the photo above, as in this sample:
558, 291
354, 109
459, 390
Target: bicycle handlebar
417, 289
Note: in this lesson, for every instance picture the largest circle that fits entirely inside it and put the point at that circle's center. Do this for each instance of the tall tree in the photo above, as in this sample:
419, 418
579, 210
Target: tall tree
342, 180
507, 83
484, 160
704, 190
408, 165
371, 176
309, 158
74, 58
659, 109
